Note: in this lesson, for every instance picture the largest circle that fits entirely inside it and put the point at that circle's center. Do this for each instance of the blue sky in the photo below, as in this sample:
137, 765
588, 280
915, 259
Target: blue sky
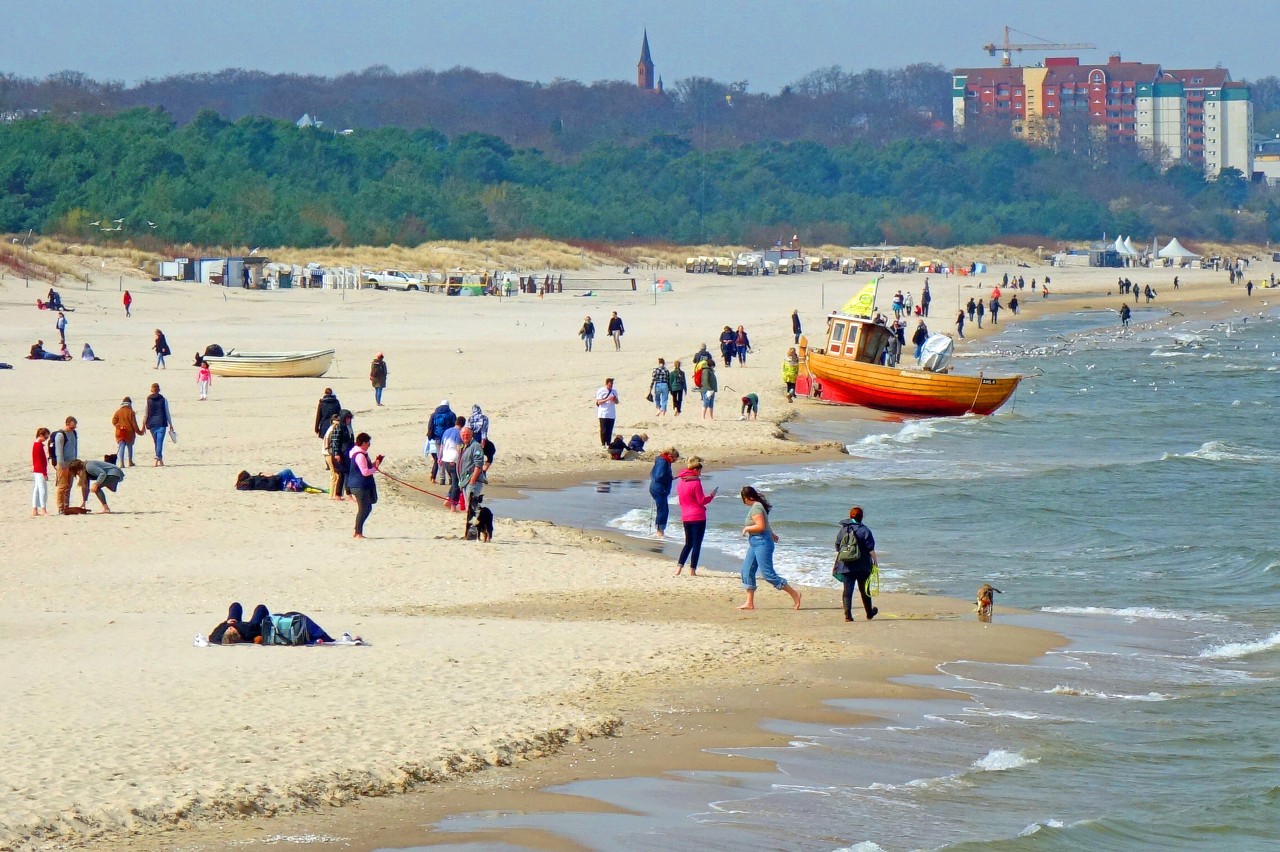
767, 44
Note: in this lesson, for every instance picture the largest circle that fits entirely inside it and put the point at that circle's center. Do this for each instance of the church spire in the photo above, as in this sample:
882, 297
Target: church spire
644, 68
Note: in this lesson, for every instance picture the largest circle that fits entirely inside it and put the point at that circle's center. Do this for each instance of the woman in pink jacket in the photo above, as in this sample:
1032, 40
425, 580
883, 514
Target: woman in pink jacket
693, 512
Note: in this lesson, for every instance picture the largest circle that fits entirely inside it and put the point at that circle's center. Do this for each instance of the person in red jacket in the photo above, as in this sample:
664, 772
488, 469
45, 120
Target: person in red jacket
128, 303
40, 473
693, 513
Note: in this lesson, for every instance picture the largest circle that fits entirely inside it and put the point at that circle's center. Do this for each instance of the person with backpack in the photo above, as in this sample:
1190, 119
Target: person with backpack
63, 449
158, 422
855, 560
442, 419
125, 422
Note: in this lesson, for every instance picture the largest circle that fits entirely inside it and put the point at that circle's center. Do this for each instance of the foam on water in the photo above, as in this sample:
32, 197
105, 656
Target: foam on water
999, 760
1136, 612
1236, 650
1093, 693
1223, 451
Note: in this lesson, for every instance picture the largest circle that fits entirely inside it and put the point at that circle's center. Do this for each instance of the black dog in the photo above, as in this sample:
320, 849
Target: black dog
484, 524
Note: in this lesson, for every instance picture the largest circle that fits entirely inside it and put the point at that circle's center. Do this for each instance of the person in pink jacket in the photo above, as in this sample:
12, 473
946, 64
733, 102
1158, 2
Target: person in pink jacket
693, 512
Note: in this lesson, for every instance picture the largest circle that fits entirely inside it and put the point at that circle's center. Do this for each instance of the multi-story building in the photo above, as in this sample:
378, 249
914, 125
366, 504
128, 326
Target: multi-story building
1195, 116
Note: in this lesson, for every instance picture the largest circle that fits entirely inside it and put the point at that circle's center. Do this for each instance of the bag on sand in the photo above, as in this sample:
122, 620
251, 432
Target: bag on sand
285, 630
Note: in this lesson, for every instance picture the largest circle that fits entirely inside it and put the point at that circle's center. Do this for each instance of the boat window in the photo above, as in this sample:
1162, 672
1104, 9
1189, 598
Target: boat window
837, 332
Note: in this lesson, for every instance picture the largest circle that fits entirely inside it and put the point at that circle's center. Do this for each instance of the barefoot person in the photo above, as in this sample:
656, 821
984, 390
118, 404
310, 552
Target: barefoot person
94, 476
760, 540
660, 481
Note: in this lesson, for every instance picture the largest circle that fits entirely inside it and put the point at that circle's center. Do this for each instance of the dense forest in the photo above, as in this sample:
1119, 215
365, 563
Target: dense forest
836, 158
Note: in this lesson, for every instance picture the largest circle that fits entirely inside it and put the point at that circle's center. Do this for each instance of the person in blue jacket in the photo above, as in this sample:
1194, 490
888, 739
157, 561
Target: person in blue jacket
440, 421
660, 480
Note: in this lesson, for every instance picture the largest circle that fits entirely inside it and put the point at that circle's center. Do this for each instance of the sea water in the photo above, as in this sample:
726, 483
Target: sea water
1127, 499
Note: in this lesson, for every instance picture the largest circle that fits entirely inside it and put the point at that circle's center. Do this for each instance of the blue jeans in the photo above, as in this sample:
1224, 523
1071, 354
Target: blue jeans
377, 395
660, 502
742, 354
122, 449
661, 395
157, 436
760, 556
693, 533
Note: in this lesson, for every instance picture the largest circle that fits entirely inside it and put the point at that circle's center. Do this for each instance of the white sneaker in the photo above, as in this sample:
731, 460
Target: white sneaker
200, 642
346, 637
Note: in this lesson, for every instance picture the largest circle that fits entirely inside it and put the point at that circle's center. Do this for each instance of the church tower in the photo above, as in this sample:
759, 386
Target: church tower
644, 68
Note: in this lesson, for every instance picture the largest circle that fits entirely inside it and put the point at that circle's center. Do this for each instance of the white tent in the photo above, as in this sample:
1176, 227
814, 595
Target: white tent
1128, 245
1119, 247
1176, 250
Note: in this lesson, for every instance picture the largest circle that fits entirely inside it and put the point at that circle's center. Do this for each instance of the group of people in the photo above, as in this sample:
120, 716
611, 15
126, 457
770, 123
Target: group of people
461, 453
60, 450
903, 306
615, 330
734, 343
853, 565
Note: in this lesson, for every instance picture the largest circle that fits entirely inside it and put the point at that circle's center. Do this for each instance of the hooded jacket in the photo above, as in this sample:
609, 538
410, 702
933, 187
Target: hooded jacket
866, 543
441, 419
693, 500
126, 422
479, 423
327, 407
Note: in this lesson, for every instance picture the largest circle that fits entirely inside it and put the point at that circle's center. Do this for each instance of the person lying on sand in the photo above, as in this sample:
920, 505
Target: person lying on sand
235, 629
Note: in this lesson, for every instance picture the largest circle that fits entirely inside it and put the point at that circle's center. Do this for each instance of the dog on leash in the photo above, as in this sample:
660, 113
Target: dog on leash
986, 601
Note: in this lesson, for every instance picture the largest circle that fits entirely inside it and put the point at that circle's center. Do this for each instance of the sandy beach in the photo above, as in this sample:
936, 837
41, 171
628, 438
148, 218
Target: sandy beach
480, 656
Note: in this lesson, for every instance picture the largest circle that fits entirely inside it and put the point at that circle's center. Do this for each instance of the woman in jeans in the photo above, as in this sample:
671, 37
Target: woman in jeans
760, 541
360, 481
158, 421
693, 512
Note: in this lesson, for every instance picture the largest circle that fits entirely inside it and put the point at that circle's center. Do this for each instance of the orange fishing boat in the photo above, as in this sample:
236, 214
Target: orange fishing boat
851, 370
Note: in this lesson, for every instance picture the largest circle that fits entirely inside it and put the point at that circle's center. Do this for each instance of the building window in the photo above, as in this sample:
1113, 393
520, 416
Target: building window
1196, 81
1049, 105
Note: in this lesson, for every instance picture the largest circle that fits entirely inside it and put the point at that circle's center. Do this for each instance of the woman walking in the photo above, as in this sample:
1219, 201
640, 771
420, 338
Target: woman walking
40, 473
587, 333
125, 421
660, 481
693, 513
378, 377
677, 383
360, 481
158, 421
161, 347
760, 541
790, 372
742, 345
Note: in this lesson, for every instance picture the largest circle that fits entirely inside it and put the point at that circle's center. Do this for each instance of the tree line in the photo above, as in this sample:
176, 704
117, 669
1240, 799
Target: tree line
259, 181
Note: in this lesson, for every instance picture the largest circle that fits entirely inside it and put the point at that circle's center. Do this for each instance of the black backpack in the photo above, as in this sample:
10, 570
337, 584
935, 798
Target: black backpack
53, 450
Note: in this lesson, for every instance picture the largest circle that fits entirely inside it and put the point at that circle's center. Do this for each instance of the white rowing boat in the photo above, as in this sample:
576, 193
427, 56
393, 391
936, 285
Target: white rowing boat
304, 365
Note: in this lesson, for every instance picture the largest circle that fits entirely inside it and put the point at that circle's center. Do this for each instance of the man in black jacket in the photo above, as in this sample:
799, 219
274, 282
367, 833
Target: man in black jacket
327, 407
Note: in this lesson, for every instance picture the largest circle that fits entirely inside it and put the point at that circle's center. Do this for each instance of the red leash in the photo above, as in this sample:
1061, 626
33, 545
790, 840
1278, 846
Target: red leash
411, 485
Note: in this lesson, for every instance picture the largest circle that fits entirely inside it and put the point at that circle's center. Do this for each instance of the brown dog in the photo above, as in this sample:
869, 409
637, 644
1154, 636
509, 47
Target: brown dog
986, 601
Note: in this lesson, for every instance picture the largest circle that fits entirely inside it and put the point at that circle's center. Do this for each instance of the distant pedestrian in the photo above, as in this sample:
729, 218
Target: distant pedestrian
925, 298
158, 421
678, 384
606, 410
660, 387
339, 439
1175, 282
760, 543
981, 311
1248, 288
378, 377
479, 423
204, 378
1013, 305
325, 409
128, 304
960, 324
693, 514
790, 372
40, 473
360, 481
162, 350
971, 307
728, 345
742, 345
616, 330
125, 423
66, 449
1125, 313
707, 387
795, 325
587, 333
661, 478
920, 336
61, 325
995, 311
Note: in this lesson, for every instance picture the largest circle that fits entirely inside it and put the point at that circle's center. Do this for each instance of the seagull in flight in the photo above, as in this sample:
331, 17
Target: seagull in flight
99, 222
152, 224
118, 221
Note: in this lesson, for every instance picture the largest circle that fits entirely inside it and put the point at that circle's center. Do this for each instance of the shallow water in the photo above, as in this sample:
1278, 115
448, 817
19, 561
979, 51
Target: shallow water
1126, 499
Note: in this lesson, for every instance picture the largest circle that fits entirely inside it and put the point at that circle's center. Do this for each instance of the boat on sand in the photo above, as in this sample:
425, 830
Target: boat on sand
293, 365
850, 370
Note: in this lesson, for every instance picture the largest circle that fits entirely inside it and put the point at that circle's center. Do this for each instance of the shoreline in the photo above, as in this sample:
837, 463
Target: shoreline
427, 601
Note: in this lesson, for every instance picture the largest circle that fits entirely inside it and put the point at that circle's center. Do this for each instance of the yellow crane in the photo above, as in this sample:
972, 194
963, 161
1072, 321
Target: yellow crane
1007, 47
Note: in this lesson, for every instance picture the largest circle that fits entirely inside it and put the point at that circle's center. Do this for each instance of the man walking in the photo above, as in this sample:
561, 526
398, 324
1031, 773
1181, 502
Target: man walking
616, 330
66, 449
660, 387
606, 411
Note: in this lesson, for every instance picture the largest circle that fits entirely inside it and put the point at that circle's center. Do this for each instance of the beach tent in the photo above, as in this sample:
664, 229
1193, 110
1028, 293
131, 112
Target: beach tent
1176, 250
1128, 245
1118, 246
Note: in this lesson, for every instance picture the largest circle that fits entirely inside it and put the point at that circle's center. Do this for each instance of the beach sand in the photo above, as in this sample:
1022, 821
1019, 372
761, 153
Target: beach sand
480, 655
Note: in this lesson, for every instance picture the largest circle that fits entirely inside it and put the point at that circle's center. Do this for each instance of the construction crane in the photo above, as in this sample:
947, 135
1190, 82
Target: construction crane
1006, 47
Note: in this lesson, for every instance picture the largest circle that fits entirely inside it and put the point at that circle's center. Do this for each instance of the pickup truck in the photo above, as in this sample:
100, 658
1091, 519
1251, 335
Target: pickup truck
391, 279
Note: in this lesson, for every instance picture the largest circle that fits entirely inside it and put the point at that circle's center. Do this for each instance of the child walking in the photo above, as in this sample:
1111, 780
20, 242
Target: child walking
204, 378
40, 474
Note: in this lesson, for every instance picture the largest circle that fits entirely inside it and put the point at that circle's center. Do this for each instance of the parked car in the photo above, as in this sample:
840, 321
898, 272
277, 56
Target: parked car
391, 279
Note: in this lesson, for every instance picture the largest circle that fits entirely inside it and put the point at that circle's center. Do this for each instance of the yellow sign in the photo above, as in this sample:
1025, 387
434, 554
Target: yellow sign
863, 304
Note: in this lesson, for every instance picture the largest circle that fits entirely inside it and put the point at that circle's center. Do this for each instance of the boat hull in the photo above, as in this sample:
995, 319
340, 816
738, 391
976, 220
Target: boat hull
848, 382
272, 365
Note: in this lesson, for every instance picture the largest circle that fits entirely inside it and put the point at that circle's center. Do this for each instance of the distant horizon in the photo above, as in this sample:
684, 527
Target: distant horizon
593, 42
